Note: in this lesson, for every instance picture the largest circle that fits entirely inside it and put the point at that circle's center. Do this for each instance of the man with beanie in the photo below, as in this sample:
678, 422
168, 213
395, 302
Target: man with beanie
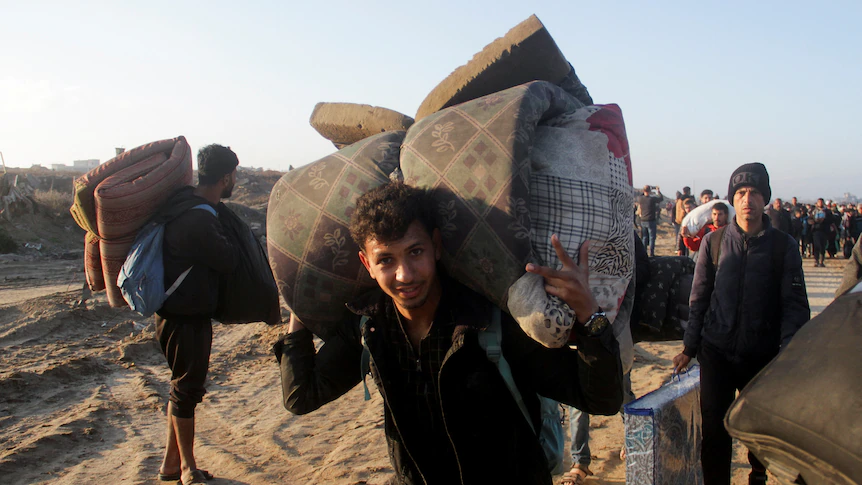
194, 245
748, 299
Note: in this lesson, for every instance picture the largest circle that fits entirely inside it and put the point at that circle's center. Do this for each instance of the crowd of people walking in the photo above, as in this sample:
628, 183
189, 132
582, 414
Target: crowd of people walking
820, 229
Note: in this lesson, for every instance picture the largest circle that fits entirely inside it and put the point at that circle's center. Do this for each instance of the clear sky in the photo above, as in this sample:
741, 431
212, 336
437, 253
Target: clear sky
704, 86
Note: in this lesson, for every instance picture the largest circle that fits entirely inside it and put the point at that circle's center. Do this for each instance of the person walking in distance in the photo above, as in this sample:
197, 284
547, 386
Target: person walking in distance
193, 240
820, 224
748, 300
778, 216
648, 207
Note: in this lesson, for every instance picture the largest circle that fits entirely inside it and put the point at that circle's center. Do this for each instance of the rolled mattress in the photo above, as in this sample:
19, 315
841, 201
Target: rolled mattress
114, 200
315, 261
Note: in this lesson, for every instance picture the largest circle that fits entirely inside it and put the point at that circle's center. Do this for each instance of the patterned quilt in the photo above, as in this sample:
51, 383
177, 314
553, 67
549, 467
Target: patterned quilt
313, 258
477, 159
663, 434
581, 191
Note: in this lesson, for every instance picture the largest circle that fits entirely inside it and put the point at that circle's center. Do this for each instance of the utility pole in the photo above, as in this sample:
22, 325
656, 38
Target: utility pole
4, 162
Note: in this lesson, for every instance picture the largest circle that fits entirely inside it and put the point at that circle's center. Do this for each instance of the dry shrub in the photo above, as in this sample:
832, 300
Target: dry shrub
54, 200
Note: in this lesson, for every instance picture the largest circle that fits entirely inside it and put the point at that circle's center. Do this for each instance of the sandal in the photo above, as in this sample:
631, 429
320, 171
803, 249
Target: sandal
196, 477
175, 477
577, 475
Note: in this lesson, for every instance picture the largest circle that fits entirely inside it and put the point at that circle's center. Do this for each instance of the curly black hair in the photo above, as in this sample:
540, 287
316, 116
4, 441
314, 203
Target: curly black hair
386, 212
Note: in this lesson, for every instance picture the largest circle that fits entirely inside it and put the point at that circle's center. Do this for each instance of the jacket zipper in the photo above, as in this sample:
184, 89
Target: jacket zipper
443, 411
745, 246
394, 422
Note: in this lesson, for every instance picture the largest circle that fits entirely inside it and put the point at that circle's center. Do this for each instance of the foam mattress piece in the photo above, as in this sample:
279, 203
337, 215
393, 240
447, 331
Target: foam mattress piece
347, 123
314, 259
526, 53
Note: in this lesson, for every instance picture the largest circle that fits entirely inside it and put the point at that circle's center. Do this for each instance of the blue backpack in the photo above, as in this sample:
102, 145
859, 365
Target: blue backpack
142, 278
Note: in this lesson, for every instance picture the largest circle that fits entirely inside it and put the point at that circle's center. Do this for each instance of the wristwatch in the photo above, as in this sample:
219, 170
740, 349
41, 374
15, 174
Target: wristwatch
596, 324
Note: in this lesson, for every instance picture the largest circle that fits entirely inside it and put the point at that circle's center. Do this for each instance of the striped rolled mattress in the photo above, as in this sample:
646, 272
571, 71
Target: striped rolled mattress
114, 200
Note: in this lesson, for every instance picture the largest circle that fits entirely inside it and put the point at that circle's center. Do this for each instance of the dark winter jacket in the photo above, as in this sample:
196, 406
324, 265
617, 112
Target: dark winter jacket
741, 309
193, 238
493, 442
780, 219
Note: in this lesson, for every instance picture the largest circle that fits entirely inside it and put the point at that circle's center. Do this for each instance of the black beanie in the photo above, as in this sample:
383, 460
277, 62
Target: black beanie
750, 175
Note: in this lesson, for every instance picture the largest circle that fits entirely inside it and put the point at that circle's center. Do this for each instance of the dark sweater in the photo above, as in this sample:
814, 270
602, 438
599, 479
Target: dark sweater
649, 206
193, 238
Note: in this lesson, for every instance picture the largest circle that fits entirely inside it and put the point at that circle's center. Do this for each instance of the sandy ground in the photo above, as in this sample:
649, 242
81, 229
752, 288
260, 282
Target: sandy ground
83, 389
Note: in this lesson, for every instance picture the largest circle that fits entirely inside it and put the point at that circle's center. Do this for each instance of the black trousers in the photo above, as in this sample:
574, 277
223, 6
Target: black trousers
820, 241
186, 344
719, 381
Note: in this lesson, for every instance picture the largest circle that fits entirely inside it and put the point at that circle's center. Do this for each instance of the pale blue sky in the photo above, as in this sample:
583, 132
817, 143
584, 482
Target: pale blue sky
704, 86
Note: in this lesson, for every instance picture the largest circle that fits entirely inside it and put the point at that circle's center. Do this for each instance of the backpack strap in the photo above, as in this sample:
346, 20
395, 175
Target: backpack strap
365, 361
490, 339
715, 245
207, 208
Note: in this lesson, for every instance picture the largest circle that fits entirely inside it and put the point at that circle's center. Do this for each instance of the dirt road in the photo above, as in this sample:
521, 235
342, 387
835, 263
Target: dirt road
83, 389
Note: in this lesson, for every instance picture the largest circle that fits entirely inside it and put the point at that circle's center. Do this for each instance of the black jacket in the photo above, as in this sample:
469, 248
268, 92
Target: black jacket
741, 309
193, 238
780, 219
493, 442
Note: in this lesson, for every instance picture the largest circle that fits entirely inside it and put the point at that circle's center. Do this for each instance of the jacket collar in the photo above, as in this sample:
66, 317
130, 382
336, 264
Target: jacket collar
767, 224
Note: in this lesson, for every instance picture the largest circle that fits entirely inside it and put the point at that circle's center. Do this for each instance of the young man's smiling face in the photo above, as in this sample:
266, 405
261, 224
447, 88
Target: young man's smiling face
406, 268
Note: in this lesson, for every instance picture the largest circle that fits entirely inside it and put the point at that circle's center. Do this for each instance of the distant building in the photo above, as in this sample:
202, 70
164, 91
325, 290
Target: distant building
60, 167
84, 166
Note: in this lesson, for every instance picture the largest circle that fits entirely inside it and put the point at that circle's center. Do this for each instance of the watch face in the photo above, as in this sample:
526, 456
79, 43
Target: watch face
597, 324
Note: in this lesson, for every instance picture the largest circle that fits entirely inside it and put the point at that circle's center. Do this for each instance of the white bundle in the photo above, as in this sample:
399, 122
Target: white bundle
701, 215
